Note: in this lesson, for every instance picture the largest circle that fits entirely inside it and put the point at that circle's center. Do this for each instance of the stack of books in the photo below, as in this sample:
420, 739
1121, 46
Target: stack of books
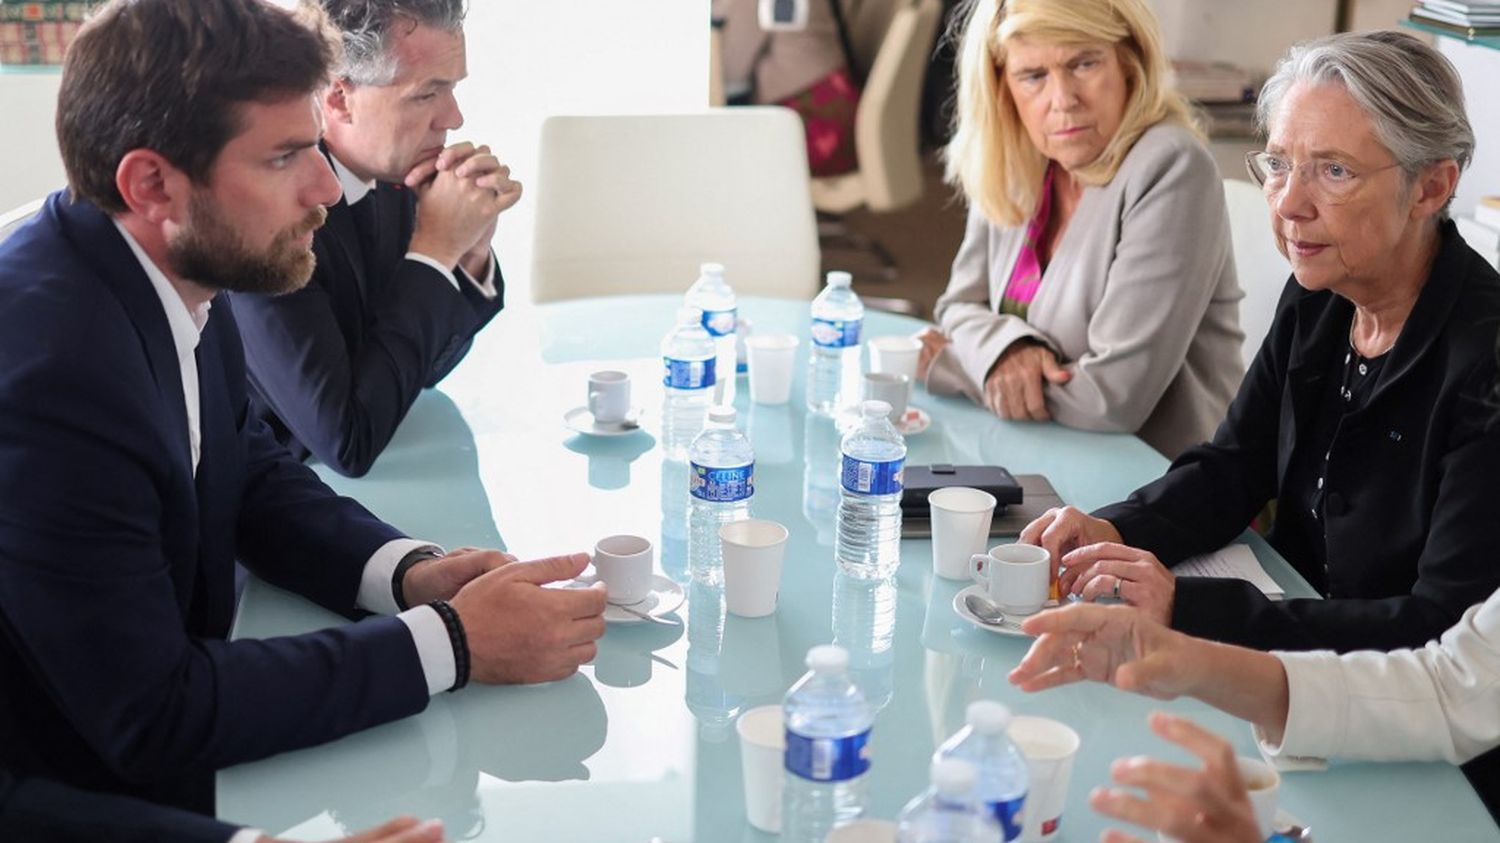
39, 31
1464, 18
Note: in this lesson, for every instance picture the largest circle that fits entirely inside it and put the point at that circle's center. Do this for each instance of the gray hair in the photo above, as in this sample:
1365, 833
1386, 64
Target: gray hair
1411, 92
365, 28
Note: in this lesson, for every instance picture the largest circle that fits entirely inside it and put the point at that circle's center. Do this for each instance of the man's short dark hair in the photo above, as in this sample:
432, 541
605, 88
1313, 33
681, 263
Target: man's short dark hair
366, 27
172, 76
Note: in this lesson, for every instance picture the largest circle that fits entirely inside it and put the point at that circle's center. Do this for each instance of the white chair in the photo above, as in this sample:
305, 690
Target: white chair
632, 204
1261, 268
886, 133
16, 217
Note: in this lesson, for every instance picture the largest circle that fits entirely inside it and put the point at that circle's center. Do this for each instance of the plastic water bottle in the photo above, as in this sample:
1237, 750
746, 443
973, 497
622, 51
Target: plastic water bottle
868, 544
837, 320
721, 480
827, 749
688, 360
1002, 778
715, 298
948, 812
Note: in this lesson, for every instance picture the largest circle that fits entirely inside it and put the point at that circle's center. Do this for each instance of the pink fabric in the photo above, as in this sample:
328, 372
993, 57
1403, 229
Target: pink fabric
1026, 277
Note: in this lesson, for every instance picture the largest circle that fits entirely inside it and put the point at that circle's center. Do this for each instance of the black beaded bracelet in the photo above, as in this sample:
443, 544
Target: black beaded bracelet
399, 574
459, 640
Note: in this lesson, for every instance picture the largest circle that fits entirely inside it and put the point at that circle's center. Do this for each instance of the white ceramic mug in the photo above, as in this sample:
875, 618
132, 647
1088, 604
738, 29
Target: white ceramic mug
609, 396
624, 564
1015, 576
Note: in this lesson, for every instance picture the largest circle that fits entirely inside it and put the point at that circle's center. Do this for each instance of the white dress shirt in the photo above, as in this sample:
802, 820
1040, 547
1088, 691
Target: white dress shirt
356, 189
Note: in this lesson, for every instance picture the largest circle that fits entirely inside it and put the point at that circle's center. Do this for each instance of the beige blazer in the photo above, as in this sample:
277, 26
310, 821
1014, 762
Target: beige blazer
1140, 300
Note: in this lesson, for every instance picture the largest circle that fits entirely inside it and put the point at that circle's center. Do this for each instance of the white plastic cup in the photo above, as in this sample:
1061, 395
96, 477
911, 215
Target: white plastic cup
1017, 577
609, 396
897, 355
770, 358
1049, 747
1264, 785
960, 528
890, 387
753, 550
762, 749
624, 564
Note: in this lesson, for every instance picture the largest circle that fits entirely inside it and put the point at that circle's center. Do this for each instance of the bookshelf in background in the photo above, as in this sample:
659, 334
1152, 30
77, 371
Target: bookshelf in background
36, 33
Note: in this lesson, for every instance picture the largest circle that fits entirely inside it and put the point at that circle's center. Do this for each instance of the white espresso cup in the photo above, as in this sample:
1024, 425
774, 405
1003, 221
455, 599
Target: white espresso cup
1016, 576
890, 387
609, 396
623, 563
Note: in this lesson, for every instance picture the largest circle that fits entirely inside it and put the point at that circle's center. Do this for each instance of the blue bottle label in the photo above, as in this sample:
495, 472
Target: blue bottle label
1010, 816
833, 333
828, 759
720, 322
688, 374
872, 478
723, 484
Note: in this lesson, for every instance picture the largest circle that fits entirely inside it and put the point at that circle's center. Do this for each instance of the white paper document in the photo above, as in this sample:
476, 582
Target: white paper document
1236, 561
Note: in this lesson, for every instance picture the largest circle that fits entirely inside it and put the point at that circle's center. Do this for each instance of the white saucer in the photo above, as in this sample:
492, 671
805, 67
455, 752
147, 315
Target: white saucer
915, 421
663, 599
580, 420
963, 611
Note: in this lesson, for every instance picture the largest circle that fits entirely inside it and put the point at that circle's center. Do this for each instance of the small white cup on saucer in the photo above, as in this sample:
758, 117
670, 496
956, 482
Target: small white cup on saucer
609, 396
1016, 577
623, 563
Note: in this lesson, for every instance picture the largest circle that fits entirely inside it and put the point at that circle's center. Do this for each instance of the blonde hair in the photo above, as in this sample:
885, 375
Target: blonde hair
991, 158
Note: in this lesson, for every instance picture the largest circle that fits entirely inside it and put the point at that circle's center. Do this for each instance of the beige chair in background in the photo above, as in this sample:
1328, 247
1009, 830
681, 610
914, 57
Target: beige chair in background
16, 217
886, 133
632, 204
1261, 269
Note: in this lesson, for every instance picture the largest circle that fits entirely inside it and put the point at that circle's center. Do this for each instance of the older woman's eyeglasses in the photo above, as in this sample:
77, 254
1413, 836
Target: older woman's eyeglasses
1327, 180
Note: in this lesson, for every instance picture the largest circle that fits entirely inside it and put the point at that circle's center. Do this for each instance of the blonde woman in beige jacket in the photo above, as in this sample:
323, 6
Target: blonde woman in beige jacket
1095, 285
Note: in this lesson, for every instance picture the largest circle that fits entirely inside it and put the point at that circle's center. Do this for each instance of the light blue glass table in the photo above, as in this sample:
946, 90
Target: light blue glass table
640, 745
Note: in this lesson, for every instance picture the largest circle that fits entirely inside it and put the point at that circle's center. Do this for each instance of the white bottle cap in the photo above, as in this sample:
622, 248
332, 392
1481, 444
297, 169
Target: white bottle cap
954, 778
872, 408
839, 278
711, 269
987, 717
828, 658
722, 414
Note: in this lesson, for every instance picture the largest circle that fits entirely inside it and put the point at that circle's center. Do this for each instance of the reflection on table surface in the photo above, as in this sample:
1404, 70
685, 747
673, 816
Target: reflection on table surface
640, 744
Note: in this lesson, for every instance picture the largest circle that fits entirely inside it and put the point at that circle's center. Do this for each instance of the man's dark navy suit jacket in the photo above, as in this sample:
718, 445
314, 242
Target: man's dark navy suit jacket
335, 366
117, 563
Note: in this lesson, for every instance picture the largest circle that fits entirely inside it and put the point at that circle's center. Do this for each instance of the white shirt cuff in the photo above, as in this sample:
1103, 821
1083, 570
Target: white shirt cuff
486, 287
375, 593
434, 647
247, 835
423, 259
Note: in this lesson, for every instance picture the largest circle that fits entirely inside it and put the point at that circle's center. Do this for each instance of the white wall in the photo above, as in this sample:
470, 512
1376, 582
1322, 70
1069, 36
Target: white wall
28, 146
528, 59
1479, 66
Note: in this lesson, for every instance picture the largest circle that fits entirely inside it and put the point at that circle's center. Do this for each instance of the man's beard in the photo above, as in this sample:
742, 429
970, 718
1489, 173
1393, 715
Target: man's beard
211, 252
